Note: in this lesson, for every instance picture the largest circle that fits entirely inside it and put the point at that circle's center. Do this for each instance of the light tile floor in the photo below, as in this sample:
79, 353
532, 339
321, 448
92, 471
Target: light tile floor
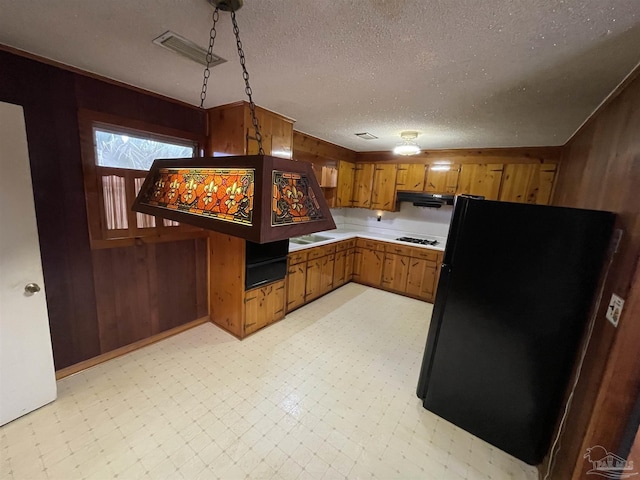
327, 393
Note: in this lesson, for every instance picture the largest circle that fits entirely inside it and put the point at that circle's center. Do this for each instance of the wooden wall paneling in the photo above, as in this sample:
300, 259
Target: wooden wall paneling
176, 287
226, 282
47, 95
202, 277
320, 149
600, 170
462, 156
52, 98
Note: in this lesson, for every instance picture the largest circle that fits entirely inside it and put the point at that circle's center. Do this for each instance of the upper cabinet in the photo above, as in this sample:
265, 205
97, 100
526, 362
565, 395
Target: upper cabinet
231, 131
442, 179
383, 193
480, 179
528, 183
411, 176
346, 176
362, 185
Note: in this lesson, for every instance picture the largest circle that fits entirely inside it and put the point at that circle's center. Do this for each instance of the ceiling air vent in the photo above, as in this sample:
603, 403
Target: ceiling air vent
365, 136
186, 48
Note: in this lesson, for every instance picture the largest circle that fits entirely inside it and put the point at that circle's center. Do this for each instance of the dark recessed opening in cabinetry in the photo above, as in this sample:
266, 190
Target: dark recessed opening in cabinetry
265, 263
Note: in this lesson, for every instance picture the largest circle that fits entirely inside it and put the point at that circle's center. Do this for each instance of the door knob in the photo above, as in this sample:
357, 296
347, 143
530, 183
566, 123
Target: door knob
32, 288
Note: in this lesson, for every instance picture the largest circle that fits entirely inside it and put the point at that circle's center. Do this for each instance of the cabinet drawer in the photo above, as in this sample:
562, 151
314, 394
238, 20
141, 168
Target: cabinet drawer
370, 244
351, 243
425, 254
398, 249
318, 252
297, 257
340, 246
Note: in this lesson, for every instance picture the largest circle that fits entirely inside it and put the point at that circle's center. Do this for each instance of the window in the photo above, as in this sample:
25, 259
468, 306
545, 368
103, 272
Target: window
116, 163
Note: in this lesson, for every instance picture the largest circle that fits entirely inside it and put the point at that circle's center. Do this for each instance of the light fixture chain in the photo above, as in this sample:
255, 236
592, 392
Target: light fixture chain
247, 89
207, 72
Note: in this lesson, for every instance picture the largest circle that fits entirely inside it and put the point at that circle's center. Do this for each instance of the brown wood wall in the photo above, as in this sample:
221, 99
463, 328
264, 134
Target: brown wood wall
600, 169
78, 318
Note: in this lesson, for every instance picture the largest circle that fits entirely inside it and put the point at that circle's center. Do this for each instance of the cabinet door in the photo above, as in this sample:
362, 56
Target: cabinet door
480, 179
346, 175
541, 184
394, 272
528, 183
275, 301
411, 177
440, 180
339, 277
421, 278
326, 273
383, 196
296, 281
257, 313
371, 267
348, 265
362, 185
313, 280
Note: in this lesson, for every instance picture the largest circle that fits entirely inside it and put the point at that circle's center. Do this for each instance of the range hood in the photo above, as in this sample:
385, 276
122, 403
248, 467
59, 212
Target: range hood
256, 197
420, 199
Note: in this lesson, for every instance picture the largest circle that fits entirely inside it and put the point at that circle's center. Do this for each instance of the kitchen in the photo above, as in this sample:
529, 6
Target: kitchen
72, 267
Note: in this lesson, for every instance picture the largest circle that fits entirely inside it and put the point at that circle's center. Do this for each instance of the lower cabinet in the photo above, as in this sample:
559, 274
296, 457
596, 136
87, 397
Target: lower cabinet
395, 272
421, 279
313, 280
296, 282
410, 271
263, 305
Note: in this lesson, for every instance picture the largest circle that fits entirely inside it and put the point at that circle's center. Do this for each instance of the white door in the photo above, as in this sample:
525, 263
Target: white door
27, 374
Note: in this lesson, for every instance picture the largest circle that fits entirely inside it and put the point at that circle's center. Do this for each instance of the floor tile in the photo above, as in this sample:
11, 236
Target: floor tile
327, 393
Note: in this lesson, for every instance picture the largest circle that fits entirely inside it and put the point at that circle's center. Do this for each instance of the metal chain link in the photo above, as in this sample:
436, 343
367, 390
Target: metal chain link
247, 89
207, 72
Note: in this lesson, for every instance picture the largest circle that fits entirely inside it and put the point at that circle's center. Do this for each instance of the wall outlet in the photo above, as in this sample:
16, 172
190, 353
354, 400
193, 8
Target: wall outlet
614, 309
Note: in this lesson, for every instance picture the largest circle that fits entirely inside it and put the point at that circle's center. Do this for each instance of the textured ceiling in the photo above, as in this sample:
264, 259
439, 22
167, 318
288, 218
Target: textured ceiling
463, 73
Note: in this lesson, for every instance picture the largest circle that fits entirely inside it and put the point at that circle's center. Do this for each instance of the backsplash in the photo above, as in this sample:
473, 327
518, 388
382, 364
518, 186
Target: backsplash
410, 220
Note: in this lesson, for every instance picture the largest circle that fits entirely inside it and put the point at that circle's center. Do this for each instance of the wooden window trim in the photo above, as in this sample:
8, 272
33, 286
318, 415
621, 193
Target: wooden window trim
100, 236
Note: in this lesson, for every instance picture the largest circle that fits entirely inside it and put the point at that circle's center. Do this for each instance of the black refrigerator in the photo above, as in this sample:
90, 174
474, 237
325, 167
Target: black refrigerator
512, 303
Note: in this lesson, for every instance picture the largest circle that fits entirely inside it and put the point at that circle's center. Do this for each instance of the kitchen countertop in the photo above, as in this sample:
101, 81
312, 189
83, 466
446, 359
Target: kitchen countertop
339, 235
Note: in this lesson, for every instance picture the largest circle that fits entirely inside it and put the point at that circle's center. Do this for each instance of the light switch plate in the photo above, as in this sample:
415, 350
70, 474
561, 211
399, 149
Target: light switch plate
614, 309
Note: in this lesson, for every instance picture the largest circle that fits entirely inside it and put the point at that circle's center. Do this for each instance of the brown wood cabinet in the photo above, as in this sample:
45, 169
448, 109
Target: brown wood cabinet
263, 305
362, 185
296, 284
480, 179
369, 258
442, 181
383, 193
346, 178
411, 176
313, 280
232, 131
410, 271
238, 311
394, 272
326, 273
528, 183
339, 277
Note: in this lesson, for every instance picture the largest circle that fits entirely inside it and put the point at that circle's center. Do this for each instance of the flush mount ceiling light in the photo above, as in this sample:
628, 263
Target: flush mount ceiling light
408, 146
